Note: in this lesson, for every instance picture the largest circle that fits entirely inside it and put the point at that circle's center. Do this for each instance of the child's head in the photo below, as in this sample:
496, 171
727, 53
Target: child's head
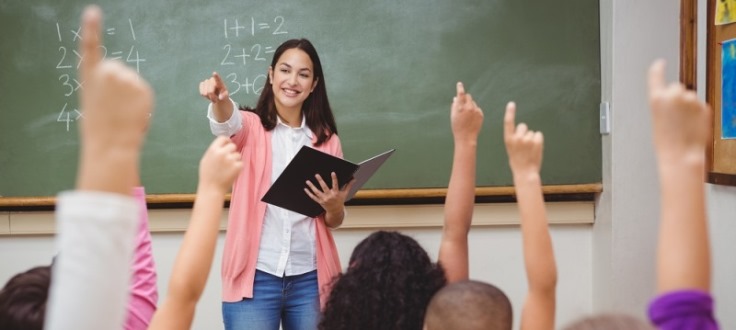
23, 299
609, 322
296, 81
387, 285
469, 305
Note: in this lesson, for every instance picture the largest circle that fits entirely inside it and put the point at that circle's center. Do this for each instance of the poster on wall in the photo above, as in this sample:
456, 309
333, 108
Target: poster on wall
728, 94
725, 12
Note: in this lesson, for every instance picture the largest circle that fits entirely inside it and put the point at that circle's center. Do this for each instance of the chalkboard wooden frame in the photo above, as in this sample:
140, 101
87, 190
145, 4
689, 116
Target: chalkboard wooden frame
367, 196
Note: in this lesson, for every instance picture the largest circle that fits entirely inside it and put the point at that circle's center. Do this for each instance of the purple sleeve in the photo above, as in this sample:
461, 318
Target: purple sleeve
143, 291
683, 309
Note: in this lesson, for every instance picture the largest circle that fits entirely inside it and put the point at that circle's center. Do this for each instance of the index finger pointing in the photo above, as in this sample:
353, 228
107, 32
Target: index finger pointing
90, 41
656, 75
509, 118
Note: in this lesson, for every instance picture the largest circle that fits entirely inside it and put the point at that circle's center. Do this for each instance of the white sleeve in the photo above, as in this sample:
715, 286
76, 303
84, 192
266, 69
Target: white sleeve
229, 127
91, 275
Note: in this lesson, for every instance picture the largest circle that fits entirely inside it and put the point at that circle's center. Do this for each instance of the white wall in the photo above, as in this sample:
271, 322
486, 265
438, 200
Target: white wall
722, 209
633, 33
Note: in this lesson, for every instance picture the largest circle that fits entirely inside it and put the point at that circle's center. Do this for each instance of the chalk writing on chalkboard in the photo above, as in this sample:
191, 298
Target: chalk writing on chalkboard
238, 53
70, 58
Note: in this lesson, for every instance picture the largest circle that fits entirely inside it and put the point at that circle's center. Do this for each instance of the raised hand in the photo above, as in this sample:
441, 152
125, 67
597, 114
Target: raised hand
680, 121
116, 101
98, 246
220, 165
116, 104
524, 147
466, 117
218, 168
681, 128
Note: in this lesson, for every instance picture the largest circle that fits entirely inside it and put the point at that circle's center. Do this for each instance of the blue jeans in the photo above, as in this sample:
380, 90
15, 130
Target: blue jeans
293, 300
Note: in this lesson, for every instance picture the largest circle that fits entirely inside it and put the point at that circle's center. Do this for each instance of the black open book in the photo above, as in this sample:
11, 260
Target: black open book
288, 190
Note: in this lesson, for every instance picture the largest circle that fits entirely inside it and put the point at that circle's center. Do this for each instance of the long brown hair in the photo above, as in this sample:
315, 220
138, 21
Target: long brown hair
316, 108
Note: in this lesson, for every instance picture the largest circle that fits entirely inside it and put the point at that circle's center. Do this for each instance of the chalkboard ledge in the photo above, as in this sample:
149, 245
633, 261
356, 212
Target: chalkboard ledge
360, 218
552, 193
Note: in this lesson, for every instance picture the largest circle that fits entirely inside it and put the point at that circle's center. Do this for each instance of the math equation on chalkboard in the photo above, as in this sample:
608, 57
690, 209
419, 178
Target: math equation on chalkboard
69, 59
246, 47
238, 54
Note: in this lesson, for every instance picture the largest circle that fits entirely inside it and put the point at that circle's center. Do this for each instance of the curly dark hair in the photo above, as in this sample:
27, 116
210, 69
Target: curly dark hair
388, 285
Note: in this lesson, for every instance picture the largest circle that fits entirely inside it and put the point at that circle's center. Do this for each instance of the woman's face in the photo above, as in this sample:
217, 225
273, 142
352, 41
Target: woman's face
292, 80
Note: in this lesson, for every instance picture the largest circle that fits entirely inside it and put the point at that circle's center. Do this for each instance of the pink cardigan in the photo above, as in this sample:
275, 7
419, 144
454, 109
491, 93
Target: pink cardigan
143, 291
245, 220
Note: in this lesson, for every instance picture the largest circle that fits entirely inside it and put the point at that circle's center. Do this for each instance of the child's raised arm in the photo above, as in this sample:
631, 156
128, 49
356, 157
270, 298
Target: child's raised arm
96, 222
524, 148
116, 103
680, 127
466, 119
218, 169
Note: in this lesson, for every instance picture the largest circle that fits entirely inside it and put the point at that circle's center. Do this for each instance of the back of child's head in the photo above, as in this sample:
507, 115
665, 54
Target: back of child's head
23, 299
469, 305
609, 322
387, 285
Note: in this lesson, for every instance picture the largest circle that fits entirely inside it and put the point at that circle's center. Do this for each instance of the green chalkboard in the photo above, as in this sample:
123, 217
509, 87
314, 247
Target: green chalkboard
390, 69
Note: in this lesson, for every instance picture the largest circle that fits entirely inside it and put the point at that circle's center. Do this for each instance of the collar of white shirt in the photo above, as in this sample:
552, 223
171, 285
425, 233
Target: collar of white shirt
304, 128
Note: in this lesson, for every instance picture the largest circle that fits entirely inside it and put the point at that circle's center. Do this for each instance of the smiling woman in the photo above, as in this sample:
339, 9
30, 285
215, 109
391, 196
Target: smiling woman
268, 248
